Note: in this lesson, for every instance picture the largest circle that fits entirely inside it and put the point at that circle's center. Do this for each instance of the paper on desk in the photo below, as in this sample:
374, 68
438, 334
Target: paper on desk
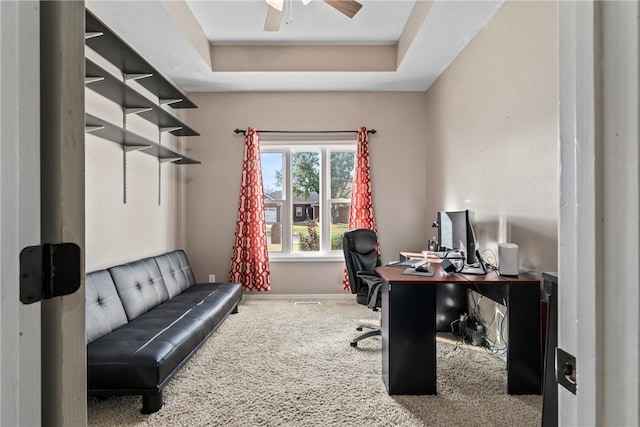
413, 272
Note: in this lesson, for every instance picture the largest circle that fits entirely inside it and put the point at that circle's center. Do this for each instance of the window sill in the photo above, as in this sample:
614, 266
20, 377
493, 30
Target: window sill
306, 258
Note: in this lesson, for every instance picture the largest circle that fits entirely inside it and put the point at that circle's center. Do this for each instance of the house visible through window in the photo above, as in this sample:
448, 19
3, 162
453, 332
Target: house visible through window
307, 194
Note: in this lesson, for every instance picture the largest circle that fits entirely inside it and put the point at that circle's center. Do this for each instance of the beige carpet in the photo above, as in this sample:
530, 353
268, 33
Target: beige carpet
276, 363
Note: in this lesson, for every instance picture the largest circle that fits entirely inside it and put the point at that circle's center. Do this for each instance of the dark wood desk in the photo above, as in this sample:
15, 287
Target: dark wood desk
409, 328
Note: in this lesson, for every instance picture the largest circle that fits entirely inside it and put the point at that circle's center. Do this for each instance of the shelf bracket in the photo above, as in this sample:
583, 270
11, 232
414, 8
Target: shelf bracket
169, 159
92, 128
125, 178
130, 148
125, 150
170, 129
136, 110
90, 35
93, 79
160, 174
170, 101
128, 76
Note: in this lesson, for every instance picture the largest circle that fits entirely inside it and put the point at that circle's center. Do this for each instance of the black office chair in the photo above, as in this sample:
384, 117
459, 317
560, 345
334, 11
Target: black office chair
361, 257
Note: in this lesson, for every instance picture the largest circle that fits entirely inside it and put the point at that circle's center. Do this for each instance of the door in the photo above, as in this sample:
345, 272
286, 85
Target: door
64, 367
20, 373
598, 295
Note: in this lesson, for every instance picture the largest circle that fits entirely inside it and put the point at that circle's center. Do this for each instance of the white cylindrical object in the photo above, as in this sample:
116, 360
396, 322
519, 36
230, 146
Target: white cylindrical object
508, 262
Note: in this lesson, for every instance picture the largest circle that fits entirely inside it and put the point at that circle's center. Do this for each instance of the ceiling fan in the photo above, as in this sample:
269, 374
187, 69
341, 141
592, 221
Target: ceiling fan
274, 14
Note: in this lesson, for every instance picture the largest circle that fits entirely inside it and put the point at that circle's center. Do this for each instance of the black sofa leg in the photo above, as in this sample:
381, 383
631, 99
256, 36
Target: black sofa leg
152, 403
235, 309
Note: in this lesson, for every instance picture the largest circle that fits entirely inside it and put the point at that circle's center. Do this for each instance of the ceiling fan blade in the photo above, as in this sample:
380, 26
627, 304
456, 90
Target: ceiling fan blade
274, 17
348, 7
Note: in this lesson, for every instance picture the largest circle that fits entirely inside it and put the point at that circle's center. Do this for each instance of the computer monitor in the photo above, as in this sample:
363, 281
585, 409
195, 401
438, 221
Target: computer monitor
457, 231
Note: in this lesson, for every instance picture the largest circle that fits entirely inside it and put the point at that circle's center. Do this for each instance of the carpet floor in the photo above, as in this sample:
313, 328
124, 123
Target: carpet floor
282, 363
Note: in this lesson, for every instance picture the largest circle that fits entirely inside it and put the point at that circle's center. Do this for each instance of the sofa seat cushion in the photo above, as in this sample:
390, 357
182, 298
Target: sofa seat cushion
227, 296
144, 353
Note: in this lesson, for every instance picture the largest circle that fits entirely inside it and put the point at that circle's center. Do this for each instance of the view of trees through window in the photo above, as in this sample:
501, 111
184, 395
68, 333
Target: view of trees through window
307, 197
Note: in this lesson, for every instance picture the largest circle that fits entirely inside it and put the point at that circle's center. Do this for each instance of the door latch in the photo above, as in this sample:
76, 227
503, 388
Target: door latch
566, 370
49, 270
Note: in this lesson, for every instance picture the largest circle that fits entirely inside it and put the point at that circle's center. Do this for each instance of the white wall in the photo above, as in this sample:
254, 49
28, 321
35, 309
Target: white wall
492, 134
398, 152
493, 138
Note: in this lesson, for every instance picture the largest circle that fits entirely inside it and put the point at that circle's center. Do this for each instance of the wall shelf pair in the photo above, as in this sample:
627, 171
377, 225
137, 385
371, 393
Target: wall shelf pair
102, 82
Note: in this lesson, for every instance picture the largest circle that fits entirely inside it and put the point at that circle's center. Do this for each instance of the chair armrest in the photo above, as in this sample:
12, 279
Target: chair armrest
374, 282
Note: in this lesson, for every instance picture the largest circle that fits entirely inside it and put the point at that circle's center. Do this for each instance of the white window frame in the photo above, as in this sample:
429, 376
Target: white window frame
286, 147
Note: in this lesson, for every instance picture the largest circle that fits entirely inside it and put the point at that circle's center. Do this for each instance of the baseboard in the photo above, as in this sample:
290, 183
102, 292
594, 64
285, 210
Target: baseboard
297, 297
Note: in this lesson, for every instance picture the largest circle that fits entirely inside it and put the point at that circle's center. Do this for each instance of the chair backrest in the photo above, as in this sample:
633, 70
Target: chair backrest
360, 249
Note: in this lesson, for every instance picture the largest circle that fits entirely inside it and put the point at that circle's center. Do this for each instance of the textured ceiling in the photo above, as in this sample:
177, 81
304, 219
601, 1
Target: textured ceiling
175, 46
242, 22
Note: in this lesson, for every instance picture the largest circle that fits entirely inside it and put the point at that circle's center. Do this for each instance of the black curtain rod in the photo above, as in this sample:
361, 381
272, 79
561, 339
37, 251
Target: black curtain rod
244, 132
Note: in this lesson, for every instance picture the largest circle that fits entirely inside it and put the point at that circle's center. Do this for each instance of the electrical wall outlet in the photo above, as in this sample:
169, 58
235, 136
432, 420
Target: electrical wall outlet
212, 278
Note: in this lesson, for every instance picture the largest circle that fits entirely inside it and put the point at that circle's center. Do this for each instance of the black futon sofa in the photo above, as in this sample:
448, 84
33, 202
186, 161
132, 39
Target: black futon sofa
144, 320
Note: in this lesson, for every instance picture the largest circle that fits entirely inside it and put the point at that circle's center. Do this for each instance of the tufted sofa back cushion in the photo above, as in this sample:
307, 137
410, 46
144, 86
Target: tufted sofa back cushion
140, 286
176, 272
103, 308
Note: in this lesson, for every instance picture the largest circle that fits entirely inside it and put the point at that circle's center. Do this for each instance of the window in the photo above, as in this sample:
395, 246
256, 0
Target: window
307, 194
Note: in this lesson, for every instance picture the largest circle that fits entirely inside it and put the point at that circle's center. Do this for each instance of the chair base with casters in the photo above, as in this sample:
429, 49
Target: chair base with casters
372, 332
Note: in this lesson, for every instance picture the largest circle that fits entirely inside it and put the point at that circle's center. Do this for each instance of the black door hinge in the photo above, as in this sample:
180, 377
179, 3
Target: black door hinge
566, 370
49, 270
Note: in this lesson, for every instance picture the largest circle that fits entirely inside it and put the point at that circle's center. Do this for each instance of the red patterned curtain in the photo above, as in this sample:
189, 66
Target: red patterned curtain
361, 214
250, 257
